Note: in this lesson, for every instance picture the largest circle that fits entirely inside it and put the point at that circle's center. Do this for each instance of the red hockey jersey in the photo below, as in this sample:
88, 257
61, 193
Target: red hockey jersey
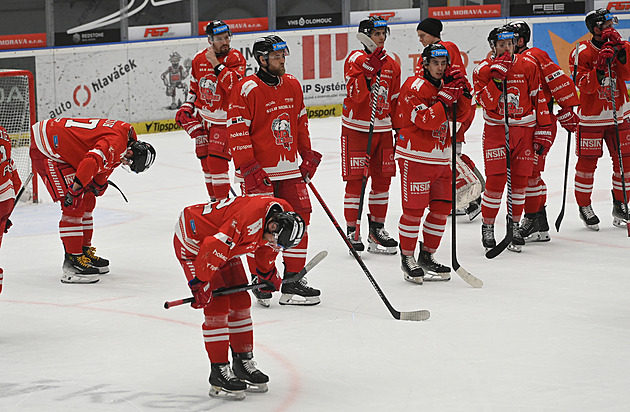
556, 84
217, 232
595, 99
10, 182
527, 105
211, 95
424, 136
94, 147
357, 106
269, 124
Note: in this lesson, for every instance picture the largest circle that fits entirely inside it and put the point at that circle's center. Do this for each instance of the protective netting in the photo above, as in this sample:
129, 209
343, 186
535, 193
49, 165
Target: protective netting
16, 91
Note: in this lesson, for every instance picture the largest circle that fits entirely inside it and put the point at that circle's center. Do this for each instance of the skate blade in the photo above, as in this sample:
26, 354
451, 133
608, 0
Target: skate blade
515, 248
102, 270
594, 227
381, 250
79, 279
430, 276
417, 280
358, 252
619, 222
538, 237
256, 387
474, 214
264, 302
297, 300
220, 393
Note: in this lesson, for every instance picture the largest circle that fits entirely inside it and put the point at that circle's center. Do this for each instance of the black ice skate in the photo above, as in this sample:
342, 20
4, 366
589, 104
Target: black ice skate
589, 217
263, 298
356, 244
98, 262
77, 269
379, 240
473, 209
298, 293
224, 384
487, 236
245, 369
412, 272
516, 245
619, 213
433, 270
543, 225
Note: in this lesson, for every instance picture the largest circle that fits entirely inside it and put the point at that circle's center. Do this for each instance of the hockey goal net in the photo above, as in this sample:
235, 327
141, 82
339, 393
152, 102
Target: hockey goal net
17, 115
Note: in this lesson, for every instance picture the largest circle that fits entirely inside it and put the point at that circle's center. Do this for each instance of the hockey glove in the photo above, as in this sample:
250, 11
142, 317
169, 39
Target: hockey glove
74, 198
542, 139
453, 73
271, 278
310, 160
201, 292
501, 66
606, 53
185, 118
8, 226
374, 62
449, 94
255, 178
568, 119
97, 189
612, 36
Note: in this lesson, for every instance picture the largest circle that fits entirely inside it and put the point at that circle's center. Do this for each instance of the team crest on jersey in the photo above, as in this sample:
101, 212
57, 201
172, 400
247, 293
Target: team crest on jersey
208, 89
440, 133
513, 97
608, 83
281, 128
382, 103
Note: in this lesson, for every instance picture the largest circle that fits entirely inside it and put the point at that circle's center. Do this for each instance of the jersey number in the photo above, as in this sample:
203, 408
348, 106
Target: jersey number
91, 124
217, 205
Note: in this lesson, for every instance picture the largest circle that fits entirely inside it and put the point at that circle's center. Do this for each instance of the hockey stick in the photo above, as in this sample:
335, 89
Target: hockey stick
463, 273
496, 251
241, 288
117, 188
416, 315
568, 155
618, 141
22, 189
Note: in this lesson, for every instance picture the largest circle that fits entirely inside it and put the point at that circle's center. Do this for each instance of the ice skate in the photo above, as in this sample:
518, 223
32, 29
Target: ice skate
379, 240
487, 236
298, 293
516, 245
412, 272
619, 213
433, 270
224, 384
356, 244
473, 209
263, 298
529, 227
589, 218
77, 269
98, 262
245, 369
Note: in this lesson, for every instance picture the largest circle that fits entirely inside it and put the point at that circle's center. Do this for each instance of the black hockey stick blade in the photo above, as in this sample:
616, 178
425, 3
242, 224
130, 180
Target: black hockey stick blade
366, 41
117, 188
496, 251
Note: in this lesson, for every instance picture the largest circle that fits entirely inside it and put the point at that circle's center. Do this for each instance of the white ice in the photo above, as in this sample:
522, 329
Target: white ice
549, 331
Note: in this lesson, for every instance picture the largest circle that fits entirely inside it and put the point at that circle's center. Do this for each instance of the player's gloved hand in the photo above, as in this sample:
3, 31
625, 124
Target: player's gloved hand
201, 292
271, 278
186, 119
568, 119
449, 94
452, 74
612, 36
7, 226
542, 139
97, 189
374, 62
74, 198
310, 160
255, 177
606, 53
501, 65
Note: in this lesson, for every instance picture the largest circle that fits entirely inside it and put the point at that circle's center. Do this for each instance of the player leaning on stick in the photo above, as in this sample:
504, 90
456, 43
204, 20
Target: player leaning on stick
268, 129
10, 184
209, 240
361, 70
215, 71
596, 117
529, 124
555, 86
74, 158
423, 152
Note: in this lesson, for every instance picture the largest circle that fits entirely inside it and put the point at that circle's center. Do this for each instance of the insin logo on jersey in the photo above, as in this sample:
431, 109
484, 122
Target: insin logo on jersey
419, 187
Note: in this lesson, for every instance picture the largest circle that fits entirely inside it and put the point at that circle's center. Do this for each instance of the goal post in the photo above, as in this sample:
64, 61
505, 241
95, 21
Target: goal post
17, 115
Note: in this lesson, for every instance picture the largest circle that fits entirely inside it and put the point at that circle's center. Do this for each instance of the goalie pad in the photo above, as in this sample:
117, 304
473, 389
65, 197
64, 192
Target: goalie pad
468, 186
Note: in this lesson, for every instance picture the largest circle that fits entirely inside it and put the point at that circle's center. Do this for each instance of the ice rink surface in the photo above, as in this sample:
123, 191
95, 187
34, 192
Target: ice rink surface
549, 330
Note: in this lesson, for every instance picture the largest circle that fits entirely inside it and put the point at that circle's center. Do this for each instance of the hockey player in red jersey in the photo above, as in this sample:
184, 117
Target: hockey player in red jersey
215, 72
268, 129
597, 125
10, 184
74, 158
429, 32
529, 125
209, 240
361, 70
555, 86
423, 152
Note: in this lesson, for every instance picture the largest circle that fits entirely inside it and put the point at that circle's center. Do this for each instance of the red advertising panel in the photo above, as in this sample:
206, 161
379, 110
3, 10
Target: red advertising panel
240, 25
466, 12
23, 41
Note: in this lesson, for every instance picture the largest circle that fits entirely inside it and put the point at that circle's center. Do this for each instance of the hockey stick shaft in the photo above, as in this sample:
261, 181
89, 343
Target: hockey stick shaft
618, 143
567, 157
463, 273
416, 315
23, 188
117, 188
366, 165
241, 288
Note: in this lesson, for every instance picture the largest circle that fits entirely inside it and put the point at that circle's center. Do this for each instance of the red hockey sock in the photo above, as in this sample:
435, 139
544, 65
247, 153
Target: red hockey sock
216, 335
408, 229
